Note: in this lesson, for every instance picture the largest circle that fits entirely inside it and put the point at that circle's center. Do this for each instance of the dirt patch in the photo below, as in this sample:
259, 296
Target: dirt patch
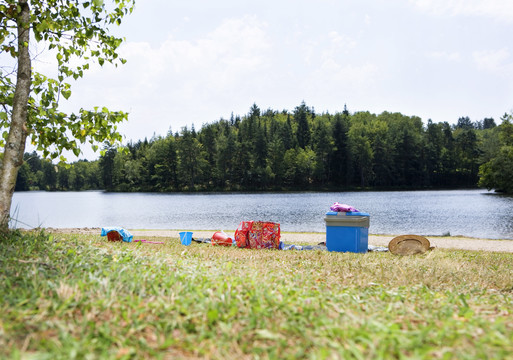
445, 242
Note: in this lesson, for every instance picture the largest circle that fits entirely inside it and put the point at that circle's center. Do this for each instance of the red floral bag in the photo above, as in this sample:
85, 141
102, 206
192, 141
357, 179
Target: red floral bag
258, 235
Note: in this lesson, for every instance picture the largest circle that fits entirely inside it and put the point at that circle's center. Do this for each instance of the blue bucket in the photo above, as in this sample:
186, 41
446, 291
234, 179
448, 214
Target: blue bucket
185, 237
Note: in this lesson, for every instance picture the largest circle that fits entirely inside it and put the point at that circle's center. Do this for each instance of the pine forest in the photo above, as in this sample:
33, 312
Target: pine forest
296, 151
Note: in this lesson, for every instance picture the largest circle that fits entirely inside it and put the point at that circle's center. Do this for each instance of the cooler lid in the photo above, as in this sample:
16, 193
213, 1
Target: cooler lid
350, 213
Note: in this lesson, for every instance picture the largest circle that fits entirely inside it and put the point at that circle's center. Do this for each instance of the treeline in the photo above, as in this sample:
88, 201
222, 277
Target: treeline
299, 150
40, 174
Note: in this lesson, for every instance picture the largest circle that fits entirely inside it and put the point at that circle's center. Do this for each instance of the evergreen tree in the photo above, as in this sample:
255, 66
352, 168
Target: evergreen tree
322, 142
488, 123
464, 123
382, 148
49, 181
162, 164
448, 157
362, 153
23, 180
286, 133
222, 161
467, 154
498, 172
408, 146
63, 178
208, 135
190, 160
341, 169
260, 155
434, 147
275, 160
303, 128
106, 163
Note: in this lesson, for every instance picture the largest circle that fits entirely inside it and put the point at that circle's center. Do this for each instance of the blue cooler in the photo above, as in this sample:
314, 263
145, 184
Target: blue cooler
347, 231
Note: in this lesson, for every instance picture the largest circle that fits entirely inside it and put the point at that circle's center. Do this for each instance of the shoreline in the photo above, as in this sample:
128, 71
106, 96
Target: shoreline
442, 242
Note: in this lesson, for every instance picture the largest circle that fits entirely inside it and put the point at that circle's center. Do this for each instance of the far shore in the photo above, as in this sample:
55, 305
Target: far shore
443, 242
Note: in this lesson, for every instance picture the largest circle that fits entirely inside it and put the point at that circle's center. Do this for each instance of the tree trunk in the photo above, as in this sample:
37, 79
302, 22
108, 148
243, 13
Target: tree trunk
15, 145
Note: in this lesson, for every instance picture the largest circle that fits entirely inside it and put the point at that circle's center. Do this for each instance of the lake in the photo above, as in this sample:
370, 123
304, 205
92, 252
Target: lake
475, 213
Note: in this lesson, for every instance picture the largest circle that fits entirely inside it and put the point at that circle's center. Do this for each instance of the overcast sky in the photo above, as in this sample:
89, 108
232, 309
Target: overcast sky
196, 61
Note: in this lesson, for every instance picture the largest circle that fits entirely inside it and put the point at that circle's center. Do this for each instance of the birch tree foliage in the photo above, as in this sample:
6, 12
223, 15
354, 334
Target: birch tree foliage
77, 32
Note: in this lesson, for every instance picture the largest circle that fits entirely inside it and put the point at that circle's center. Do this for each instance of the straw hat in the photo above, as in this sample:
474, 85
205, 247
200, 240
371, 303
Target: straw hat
408, 245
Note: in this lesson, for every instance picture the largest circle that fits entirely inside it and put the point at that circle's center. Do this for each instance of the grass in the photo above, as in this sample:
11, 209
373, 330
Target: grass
81, 297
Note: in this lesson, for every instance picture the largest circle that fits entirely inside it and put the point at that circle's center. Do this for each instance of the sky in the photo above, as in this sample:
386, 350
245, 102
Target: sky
196, 61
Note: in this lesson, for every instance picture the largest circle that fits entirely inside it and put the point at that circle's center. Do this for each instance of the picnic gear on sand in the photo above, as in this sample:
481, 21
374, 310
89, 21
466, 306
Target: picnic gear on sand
220, 238
409, 245
120, 234
258, 235
375, 248
347, 231
185, 237
117, 234
342, 208
284, 246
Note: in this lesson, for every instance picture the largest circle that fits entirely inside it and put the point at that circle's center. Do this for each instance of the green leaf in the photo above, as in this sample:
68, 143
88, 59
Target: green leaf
66, 94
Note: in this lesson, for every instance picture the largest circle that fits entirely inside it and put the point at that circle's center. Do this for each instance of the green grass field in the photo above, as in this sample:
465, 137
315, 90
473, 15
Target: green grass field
82, 297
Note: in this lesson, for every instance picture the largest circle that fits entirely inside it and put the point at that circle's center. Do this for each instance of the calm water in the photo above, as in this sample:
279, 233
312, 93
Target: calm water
476, 213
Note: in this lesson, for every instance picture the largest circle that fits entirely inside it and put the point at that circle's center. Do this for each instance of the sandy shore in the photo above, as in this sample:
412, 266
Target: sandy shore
445, 242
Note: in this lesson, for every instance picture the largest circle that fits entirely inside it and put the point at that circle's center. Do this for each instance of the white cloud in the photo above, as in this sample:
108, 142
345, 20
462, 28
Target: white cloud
174, 83
344, 77
335, 62
494, 60
446, 56
236, 47
497, 9
341, 41
328, 47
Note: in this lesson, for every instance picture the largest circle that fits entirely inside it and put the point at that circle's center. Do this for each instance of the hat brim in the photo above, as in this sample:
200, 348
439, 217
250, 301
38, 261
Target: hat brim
408, 245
